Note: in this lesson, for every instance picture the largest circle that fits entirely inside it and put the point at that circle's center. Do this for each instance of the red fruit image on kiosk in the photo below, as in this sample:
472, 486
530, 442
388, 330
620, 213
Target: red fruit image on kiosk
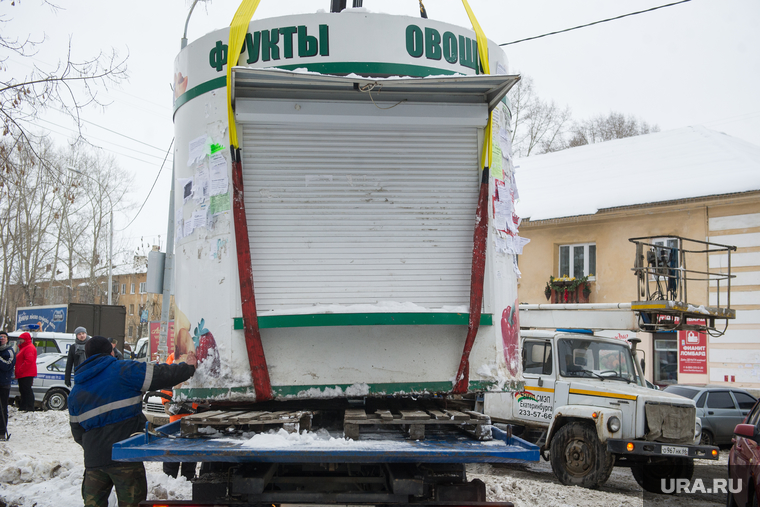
510, 335
204, 344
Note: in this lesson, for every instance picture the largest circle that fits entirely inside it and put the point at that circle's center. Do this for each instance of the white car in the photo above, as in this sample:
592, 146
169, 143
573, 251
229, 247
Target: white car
50, 391
153, 409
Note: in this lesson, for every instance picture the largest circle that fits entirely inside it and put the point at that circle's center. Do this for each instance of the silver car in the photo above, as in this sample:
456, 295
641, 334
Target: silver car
720, 408
50, 391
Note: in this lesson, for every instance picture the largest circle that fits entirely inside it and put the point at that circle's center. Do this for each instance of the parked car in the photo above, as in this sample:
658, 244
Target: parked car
720, 408
744, 461
142, 350
153, 409
50, 391
46, 342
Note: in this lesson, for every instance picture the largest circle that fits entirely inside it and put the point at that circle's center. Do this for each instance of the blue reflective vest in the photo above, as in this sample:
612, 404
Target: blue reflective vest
107, 391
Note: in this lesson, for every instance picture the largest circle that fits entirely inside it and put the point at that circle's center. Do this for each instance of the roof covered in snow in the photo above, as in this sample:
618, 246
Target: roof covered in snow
665, 166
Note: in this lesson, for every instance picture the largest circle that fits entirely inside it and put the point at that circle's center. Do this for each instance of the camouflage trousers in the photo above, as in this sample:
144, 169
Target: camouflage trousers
128, 478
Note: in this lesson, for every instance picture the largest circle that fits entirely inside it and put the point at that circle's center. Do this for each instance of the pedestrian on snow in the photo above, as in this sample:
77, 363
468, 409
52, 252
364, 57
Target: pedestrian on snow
116, 352
76, 354
7, 362
26, 370
105, 407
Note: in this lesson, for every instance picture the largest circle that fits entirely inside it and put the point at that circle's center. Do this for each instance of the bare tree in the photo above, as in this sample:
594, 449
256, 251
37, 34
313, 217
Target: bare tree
70, 87
51, 218
101, 189
31, 217
538, 126
39, 219
606, 128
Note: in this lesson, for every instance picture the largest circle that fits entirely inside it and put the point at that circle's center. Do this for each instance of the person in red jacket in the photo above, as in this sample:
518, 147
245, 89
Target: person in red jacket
26, 370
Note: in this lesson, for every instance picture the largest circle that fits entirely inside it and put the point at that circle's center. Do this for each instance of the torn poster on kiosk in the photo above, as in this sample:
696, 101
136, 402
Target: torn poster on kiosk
186, 186
510, 244
197, 149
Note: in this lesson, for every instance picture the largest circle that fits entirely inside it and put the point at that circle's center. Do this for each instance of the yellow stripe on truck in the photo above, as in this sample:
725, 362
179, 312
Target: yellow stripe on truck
603, 394
543, 389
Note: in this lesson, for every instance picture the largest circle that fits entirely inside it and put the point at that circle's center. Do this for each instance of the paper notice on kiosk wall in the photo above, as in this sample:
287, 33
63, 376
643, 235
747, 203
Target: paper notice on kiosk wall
218, 168
199, 219
219, 204
201, 183
197, 149
186, 188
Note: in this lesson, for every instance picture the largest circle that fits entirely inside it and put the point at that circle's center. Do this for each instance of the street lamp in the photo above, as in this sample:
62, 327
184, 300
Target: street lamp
110, 240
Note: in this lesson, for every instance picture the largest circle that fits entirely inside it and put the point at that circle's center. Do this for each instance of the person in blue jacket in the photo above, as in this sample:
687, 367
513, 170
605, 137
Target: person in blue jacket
7, 362
105, 407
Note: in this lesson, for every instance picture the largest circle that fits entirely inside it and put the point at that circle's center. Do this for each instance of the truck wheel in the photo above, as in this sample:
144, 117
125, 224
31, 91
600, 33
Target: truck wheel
578, 458
652, 476
56, 399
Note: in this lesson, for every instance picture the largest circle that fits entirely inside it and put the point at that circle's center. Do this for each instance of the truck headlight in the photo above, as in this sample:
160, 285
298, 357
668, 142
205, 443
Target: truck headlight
613, 424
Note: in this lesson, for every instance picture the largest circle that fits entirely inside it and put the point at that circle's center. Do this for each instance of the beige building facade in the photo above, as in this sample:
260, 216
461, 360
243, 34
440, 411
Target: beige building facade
596, 244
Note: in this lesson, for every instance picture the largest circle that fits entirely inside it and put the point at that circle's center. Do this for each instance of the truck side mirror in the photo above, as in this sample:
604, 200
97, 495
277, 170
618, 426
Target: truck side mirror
643, 366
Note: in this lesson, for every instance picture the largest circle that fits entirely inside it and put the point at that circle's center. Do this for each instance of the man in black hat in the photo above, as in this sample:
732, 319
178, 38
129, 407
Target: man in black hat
76, 354
105, 407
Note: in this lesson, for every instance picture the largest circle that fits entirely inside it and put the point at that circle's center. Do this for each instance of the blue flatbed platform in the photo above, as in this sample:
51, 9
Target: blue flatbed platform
323, 448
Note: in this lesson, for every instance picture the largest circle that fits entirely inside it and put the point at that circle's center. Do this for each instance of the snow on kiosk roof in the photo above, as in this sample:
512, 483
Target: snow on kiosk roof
677, 164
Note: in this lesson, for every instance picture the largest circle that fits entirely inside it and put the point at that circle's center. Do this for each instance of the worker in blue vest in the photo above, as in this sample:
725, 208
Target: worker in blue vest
105, 407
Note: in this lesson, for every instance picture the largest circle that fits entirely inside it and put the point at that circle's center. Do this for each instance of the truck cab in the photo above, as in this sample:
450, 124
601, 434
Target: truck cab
586, 403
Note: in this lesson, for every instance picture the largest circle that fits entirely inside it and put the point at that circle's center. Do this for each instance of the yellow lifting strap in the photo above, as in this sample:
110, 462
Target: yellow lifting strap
238, 29
483, 52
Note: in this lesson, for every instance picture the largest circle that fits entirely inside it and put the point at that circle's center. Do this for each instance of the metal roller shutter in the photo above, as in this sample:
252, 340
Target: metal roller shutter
360, 214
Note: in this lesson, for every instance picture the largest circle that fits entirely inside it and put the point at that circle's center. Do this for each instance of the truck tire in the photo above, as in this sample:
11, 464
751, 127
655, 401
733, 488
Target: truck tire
56, 399
650, 475
578, 458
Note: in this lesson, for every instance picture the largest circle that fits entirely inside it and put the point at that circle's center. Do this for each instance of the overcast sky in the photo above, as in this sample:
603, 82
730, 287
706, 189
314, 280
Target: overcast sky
696, 63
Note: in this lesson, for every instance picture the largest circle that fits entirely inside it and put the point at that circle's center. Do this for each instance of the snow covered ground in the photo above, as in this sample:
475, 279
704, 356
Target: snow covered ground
42, 466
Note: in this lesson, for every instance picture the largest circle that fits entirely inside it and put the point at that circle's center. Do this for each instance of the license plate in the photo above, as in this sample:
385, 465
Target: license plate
677, 451
160, 421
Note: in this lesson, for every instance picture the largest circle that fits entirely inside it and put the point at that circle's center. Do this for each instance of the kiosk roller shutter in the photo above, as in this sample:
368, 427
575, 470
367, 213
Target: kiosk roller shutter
358, 214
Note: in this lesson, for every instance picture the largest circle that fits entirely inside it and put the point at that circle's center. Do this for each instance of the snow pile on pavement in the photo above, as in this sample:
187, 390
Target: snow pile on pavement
42, 466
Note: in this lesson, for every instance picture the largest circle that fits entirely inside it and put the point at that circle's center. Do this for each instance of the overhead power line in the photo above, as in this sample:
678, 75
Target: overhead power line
152, 187
595, 22
105, 141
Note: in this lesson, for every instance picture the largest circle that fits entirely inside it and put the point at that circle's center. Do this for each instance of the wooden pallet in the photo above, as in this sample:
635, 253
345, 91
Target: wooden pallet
292, 422
415, 420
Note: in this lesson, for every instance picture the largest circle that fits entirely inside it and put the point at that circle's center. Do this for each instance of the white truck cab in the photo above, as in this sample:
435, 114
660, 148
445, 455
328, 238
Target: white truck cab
586, 403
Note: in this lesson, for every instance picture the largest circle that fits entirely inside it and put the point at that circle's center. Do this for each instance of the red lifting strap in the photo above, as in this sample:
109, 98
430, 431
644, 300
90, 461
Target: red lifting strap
259, 370
476, 284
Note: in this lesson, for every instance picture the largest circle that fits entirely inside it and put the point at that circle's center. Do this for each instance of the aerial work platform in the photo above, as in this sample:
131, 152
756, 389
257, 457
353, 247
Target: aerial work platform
663, 276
